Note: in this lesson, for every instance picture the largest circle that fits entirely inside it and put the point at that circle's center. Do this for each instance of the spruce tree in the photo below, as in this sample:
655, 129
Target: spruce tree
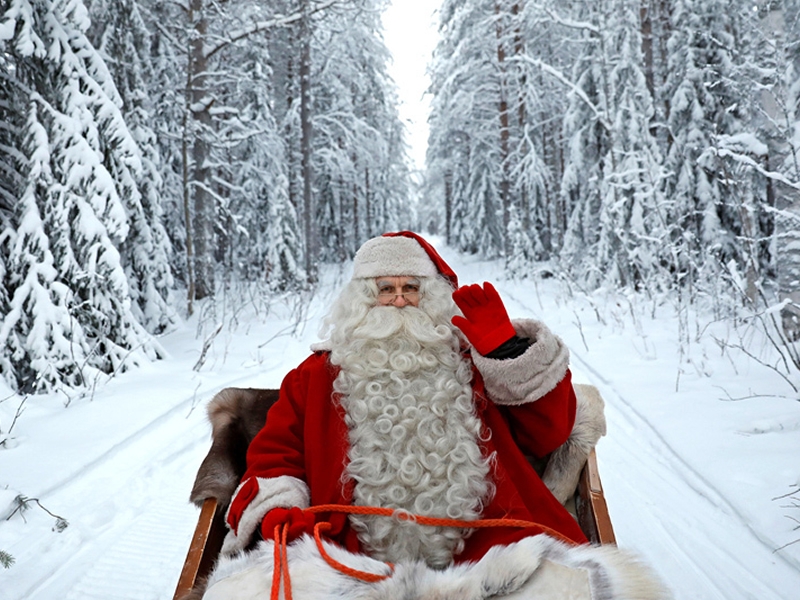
122, 38
70, 303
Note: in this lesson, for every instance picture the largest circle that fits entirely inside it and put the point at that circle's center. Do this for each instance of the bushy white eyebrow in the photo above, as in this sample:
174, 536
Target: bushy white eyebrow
385, 282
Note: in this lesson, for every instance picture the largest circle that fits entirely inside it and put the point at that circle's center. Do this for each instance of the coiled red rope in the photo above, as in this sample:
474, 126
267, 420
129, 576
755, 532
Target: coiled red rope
281, 563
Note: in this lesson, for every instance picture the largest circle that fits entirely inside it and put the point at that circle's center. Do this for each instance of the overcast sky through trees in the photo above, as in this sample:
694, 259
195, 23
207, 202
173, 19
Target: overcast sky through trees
410, 34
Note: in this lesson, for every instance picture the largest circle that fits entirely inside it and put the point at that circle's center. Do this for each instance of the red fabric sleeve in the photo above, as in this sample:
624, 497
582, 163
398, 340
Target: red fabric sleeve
542, 426
278, 449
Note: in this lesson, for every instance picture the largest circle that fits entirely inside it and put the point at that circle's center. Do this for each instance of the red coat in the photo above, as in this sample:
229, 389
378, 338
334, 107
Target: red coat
305, 437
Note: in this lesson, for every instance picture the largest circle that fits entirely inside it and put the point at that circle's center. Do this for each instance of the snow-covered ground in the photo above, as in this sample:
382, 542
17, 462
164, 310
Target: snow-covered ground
692, 475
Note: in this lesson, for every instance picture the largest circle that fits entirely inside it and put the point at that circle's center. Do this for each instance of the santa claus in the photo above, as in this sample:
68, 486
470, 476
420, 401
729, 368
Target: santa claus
424, 398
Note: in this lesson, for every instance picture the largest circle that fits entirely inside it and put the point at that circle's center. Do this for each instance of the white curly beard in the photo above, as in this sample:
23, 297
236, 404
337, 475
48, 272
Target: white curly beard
414, 436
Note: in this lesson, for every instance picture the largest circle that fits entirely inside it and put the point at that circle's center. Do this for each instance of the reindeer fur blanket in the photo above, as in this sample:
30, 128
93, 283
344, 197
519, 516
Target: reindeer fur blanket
535, 568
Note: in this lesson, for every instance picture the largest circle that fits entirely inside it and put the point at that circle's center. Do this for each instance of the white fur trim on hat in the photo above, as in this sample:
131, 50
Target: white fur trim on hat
390, 257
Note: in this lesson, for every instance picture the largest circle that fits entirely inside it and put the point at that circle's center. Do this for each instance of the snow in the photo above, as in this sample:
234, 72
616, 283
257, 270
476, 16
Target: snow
701, 445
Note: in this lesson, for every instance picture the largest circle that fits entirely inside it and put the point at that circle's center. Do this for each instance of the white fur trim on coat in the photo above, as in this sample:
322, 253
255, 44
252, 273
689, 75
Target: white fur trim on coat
392, 256
529, 376
273, 492
537, 567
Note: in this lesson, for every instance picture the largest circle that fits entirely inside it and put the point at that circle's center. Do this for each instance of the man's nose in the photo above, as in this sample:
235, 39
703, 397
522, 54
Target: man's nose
399, 300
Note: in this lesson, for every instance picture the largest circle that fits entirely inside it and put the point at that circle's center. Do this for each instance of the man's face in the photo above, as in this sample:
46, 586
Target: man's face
398, 291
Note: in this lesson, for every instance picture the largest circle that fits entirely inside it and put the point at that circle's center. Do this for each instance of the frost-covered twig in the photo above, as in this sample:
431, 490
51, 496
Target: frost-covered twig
741, 348
6, 559
749, 397
206, 345
23, 504
194, 400
279, 21
579, 325
19, 411
789, 494
795, 505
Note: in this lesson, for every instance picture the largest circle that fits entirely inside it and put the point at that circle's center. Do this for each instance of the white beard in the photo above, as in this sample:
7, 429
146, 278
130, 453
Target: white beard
414, 436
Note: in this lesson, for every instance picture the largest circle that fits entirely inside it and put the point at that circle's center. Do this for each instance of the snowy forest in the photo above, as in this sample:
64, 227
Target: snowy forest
157, 153
154, 152
644, 144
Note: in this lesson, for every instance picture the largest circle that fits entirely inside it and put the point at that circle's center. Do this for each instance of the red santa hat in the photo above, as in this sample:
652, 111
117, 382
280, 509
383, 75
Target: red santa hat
400, 253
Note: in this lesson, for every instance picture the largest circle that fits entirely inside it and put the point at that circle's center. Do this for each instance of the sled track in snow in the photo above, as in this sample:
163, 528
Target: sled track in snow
131, 568
682, 533
140, 524
133, 438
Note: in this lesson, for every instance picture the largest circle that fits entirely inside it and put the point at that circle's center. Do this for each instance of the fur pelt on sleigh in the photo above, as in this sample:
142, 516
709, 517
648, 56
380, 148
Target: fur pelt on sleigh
535, 568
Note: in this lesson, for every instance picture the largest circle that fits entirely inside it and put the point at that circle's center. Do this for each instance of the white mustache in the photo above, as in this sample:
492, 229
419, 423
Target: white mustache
383, 322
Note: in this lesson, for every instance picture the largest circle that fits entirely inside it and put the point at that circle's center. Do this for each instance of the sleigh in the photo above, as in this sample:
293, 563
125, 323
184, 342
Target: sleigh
223, 466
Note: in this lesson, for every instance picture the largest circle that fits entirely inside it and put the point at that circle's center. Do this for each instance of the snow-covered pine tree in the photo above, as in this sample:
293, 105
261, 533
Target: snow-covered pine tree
12, 102
466, 83
540, 53
788, 221
385, 164
704, 105
261, 239
122, 39
587, 139
520, 248
165, 89
72, 215
632, 226
284, 251
359, 147
448, 149
12, 166
339, 130
188, 85
44, 346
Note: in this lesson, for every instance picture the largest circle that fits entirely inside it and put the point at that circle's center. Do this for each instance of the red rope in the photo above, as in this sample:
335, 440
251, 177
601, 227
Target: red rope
281, 564
362, 575
437, 522
280, 559
276, 562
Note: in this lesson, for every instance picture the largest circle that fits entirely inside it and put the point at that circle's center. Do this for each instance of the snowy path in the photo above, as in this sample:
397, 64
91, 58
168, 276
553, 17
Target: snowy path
130, 506
668, 512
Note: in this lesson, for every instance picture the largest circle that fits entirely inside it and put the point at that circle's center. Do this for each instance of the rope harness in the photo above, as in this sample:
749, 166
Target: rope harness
281, 563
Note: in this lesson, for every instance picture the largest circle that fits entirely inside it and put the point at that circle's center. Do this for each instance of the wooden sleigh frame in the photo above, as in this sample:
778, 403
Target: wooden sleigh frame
590, 508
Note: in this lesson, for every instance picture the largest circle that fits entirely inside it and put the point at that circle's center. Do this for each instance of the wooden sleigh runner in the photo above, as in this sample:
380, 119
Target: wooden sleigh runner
240, 414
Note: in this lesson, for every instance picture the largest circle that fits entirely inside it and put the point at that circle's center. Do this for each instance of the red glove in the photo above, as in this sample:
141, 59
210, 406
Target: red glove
485, 321
244, 497
299, 523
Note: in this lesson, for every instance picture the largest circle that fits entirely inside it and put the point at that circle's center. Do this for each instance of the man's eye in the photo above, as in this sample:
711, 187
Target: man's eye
410, 288
385, 290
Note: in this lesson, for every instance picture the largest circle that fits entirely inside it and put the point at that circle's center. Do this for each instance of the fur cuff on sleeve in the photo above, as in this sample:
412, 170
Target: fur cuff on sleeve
530, 376
274, 492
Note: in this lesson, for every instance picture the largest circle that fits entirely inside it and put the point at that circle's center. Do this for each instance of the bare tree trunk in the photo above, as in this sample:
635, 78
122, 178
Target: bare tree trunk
655, 29
448, 205
357, 227
187, 208
519, 50
504, 132
203, 203
309, 221
289, 135
367, 218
